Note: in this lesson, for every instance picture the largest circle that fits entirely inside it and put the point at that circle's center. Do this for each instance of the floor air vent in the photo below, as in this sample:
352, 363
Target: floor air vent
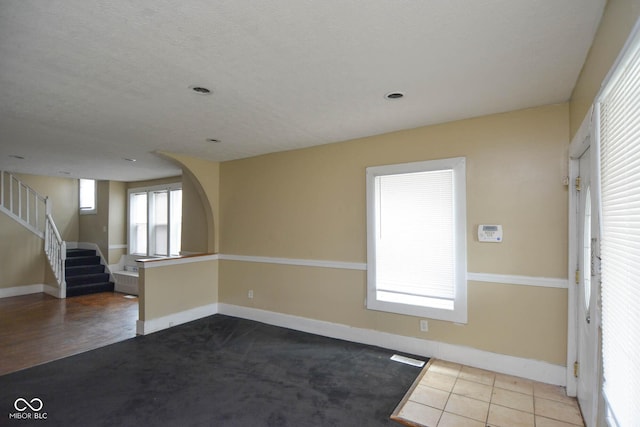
407, 360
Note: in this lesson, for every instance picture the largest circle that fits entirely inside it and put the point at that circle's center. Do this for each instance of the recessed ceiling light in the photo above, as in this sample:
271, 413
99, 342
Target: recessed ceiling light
15, 156
200, 90
130, 160
213, 140
394, 95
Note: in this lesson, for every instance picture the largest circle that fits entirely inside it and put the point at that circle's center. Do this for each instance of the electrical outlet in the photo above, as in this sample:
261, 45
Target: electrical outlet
424, 325
250, 294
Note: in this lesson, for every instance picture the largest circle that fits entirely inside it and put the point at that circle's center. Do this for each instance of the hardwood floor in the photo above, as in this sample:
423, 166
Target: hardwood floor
39, 328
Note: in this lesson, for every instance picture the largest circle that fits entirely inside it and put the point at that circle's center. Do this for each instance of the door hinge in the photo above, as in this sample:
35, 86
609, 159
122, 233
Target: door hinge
578, 187
577, 277
576, 369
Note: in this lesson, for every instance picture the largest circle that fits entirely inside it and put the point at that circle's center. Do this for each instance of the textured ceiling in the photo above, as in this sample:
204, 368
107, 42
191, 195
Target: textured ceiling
84, 83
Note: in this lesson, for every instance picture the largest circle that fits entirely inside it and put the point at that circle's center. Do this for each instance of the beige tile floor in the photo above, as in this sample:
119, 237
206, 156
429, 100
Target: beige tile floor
451, 395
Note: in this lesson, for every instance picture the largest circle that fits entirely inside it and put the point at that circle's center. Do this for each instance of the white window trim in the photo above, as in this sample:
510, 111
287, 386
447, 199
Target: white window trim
93, 211
459, 313
167, 187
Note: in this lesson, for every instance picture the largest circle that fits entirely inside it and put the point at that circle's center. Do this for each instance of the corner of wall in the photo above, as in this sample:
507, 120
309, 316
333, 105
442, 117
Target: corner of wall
205, 175
616, 24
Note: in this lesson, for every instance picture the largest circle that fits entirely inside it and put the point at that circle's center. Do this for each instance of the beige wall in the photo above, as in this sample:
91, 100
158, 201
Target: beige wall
164, 290
117, 220
63, 193
194, 216
310, 204
617, 21
94, 228
520, 321
22, 258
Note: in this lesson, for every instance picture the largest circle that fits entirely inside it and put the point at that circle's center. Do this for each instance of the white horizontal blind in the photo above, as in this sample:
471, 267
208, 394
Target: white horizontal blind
415, 234
138, 223
620, 194
87, 194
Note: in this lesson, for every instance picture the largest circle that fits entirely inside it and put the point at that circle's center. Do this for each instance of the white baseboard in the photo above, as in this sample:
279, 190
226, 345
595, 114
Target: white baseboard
145, 327
54, 291
21, 290
30, 289
526, 368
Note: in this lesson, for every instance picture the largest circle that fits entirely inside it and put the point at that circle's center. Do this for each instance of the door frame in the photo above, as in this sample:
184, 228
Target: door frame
583, 138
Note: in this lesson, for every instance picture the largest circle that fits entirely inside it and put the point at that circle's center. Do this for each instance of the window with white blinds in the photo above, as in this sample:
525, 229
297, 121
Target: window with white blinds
619, 106
416, 239
155, 220
87, 196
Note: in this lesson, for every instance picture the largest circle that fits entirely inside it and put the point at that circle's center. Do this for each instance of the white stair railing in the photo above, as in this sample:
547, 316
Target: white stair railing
22, 203
33, 211
56, 250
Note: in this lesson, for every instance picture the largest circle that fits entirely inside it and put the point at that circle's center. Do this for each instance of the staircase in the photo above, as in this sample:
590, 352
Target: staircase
77, 271
84, 274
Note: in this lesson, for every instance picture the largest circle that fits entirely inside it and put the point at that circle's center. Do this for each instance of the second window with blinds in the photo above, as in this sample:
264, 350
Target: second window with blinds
416, 239
155, 220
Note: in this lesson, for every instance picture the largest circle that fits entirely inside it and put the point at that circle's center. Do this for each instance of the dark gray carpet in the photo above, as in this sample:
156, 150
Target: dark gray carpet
217, 371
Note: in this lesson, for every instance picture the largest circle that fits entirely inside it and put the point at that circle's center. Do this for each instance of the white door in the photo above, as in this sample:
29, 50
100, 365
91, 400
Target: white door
587, 310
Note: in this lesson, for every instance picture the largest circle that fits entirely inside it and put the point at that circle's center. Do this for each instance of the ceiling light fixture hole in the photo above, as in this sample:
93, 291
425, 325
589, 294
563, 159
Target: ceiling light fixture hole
129, 159
213, 140
200, 90
394, 95
15, 156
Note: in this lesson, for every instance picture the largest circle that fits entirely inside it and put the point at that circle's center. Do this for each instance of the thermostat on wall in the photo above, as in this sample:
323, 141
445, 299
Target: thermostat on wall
490, 233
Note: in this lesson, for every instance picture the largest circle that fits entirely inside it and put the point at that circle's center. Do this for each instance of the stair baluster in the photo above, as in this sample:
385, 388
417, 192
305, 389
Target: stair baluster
55, 248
